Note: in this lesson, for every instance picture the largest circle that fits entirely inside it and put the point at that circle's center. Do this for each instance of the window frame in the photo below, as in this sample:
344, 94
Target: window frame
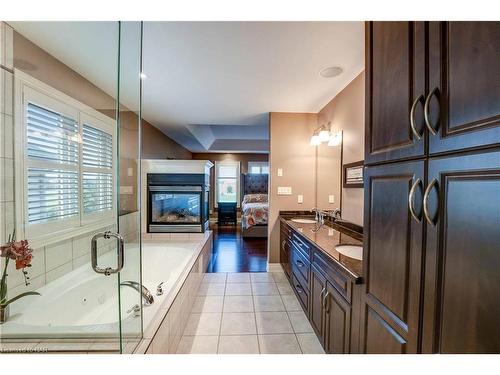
30, 90
260, 164
238, 179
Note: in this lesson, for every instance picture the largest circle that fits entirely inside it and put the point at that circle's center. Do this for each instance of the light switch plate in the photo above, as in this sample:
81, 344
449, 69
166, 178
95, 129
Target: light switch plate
126, 190
284, 190
331, 198
300, 198
280, 172
130, 172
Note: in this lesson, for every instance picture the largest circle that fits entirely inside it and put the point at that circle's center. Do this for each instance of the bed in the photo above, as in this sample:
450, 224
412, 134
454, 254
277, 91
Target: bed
255, 205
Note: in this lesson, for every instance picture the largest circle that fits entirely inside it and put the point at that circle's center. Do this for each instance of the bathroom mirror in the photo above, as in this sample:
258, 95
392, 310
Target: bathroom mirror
328, 173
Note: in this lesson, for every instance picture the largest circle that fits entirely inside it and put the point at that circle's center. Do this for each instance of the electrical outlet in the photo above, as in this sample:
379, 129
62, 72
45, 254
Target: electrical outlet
280, 172
284, 190
331, 199
300, 198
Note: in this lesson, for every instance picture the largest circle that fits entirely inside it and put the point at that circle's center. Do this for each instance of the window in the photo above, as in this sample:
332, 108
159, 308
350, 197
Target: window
258, 167
227, 181
67, 178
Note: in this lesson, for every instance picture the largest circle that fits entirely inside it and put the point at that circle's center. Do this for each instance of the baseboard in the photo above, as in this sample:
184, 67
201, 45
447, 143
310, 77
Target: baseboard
274, 267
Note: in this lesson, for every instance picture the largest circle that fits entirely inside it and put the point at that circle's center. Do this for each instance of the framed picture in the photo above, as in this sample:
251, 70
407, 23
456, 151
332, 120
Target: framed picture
353, 175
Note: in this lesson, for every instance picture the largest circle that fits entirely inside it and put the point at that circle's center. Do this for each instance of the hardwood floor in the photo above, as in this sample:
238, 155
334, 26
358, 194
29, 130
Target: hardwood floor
232, 253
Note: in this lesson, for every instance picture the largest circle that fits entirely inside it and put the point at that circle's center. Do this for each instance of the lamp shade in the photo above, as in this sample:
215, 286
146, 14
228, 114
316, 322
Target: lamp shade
315, 141
324, 135
335, 139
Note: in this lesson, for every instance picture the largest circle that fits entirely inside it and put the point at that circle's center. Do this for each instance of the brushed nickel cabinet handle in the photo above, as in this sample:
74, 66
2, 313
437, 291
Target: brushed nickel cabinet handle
426, 111
433, 183
412, 117
325, 304
321, 297
299, 289
283, 245
299, 263
411, 199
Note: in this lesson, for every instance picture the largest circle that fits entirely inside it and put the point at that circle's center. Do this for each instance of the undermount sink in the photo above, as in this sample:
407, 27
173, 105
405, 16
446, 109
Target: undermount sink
351, 251
303, 221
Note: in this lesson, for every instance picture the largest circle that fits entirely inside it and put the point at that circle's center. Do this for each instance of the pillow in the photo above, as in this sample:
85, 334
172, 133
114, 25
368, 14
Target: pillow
255, 198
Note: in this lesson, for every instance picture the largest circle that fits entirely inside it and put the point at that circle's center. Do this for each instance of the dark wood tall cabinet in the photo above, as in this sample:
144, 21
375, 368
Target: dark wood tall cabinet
395, 90
392, 257
462, 273
432, 188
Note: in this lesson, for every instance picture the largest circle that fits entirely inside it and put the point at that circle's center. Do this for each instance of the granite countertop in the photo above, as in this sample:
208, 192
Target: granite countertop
329, 236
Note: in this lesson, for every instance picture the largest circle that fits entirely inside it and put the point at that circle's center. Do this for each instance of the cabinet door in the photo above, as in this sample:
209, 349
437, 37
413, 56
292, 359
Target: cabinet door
318, 291
395, 79
392, 258
462, 275
338, 322
464, 81
285, 253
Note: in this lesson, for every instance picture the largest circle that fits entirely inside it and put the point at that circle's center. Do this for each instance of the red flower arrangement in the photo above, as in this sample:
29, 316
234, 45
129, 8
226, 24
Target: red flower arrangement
22, 254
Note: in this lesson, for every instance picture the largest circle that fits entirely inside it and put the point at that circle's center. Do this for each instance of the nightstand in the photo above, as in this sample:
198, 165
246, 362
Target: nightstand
226, 212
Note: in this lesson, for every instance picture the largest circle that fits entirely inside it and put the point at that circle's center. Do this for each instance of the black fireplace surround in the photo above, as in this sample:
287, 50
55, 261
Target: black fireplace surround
178, 203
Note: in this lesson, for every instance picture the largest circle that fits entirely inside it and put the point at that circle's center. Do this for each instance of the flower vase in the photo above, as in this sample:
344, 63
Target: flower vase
4, 314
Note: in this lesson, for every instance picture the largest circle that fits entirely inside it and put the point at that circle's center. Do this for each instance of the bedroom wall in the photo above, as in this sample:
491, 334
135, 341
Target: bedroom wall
243, 158
290, 151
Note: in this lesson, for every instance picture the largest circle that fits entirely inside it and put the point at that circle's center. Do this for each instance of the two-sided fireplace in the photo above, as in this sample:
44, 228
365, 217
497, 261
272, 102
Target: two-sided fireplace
177, 202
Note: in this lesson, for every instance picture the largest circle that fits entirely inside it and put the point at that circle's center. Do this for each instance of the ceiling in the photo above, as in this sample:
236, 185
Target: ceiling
211, 85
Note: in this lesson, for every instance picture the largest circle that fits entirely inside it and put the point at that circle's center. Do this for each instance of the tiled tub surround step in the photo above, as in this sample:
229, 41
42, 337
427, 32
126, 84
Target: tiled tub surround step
163, 332
247, 313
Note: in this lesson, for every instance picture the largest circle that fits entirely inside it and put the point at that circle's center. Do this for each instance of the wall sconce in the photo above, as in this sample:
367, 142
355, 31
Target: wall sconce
315, 139
335, 139
320, 135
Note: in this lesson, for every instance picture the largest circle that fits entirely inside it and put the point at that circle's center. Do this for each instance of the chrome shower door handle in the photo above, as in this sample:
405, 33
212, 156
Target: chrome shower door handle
120, 253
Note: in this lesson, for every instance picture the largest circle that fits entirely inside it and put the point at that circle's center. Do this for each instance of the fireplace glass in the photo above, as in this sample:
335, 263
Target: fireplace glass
176, 208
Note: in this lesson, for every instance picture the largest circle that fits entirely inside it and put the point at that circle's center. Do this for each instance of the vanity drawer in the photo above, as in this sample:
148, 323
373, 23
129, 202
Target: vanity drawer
301, 245
301, 266
302, 293
341, 282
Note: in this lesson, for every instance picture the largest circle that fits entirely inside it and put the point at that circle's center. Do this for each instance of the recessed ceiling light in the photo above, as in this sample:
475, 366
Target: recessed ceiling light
331, 71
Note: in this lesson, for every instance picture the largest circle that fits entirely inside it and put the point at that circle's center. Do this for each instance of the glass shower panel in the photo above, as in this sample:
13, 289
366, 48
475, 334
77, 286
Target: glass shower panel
61, 161
131, 300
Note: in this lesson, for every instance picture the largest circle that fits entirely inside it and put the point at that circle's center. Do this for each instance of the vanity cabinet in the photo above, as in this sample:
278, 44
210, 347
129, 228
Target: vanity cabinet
285, 244
431, 239
328, 295
330, 314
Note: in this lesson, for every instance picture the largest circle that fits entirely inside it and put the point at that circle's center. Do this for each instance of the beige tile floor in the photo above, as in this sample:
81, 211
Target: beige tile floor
248, 313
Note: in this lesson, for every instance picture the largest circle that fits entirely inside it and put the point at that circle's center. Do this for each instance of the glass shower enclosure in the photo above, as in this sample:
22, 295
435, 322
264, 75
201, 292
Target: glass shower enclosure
70, 187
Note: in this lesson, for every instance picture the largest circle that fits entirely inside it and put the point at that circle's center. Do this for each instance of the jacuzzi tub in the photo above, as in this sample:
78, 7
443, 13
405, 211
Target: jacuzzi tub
84, 304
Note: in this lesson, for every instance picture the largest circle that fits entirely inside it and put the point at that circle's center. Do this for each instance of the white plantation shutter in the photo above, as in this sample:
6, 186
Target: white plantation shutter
97, 181
67, 165
52, 158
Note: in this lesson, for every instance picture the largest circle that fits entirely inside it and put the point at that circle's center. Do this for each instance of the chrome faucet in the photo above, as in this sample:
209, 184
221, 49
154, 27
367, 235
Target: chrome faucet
320, 219
335, 214
145, 293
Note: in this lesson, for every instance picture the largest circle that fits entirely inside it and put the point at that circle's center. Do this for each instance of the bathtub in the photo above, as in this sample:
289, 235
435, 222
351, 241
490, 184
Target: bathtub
84, 305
